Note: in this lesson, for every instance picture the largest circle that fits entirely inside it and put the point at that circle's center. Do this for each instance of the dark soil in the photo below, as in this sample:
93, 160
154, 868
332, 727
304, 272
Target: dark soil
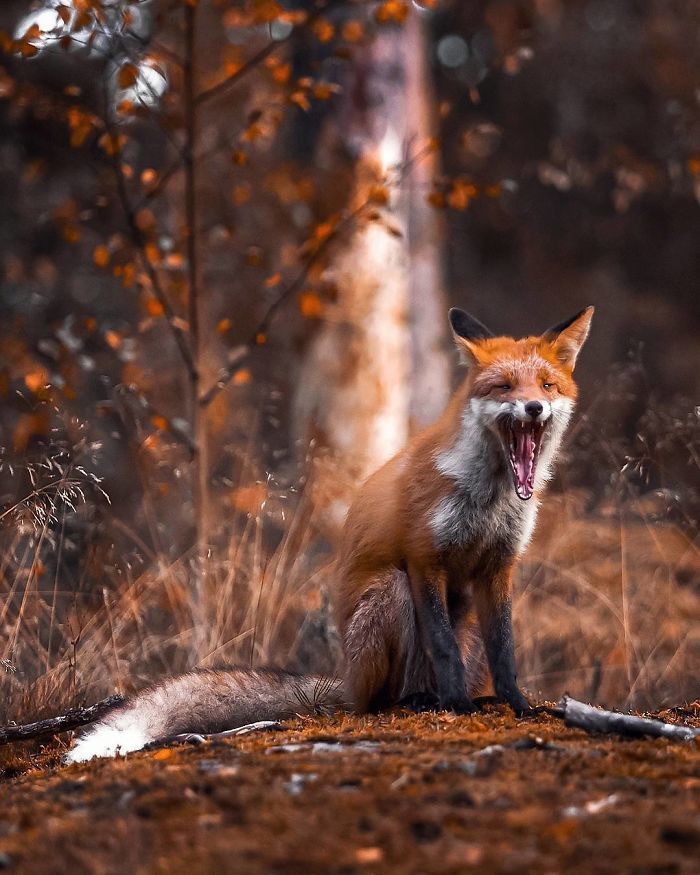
426, 793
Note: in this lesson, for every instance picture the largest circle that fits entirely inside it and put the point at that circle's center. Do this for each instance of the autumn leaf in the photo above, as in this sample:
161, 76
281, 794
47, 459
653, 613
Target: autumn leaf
148, 177
325, 90
300, 99
273, 280
323, 30
112, 144
240, 378
224, 325
70, 233
436, 199
127, 75
249, 498
391, 11
242, 193
379, 194
113, 339
80, 124
166, 753
353, 31
323, 231
461, 194
154, 307
101, 256
310, 305
281, 73
159, 422
145, 220
82, 21
152, 252
36, 380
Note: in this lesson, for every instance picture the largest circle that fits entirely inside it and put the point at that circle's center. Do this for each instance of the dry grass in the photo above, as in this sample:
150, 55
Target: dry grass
607, 599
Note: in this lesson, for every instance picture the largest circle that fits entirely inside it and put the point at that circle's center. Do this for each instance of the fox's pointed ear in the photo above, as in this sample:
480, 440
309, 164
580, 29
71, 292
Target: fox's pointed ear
569, 336
468, 331
467, 326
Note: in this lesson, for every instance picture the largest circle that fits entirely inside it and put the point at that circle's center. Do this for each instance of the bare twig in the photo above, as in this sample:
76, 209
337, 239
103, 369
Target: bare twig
139, 242
70, 720
582, 716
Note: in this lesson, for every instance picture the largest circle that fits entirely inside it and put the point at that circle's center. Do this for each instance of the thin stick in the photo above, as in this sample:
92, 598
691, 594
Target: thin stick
70, 720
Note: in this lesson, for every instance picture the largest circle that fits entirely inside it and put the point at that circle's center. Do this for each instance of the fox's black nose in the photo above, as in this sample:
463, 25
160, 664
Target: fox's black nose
533, 409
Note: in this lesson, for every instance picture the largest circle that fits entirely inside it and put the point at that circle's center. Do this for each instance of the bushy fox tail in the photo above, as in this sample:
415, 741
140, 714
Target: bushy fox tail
209, 700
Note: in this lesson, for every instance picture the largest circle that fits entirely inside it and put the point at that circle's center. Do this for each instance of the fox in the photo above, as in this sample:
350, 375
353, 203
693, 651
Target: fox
423, 589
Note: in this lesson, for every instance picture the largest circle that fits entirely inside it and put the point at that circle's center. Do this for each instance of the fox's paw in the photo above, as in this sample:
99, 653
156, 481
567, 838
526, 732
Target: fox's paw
518, 703
460, 705
420, 702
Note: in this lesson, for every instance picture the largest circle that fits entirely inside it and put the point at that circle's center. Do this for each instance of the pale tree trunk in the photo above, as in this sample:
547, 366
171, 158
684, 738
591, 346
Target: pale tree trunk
378, 367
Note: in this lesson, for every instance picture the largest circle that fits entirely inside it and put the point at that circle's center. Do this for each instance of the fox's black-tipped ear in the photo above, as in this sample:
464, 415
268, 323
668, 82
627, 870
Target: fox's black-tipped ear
569, 336
467, 327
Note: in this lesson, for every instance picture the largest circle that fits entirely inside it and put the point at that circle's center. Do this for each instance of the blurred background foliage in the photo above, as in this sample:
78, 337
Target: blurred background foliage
229, 236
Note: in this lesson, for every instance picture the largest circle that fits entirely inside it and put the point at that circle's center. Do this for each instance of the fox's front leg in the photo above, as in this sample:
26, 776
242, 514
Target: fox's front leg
494, 609
441, 645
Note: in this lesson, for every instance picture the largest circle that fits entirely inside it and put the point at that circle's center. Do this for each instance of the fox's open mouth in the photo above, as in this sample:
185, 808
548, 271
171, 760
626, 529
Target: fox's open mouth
523, 440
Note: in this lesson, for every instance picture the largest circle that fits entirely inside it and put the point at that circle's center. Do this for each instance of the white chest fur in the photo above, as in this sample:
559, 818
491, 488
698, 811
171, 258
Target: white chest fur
482, 507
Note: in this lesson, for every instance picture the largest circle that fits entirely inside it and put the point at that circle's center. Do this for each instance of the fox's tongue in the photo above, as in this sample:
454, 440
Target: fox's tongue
524, 461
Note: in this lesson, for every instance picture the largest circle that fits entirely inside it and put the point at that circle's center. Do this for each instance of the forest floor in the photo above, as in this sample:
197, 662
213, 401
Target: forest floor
396, 793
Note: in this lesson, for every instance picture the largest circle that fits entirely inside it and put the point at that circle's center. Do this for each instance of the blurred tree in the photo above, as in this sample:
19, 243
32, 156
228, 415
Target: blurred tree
378, 367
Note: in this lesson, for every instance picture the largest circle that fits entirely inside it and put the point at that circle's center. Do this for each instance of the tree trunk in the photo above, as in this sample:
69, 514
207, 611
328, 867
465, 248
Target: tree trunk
377, 367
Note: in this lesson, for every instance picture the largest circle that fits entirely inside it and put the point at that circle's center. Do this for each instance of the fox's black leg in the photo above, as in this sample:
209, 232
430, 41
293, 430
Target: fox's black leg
493, 604
441, 645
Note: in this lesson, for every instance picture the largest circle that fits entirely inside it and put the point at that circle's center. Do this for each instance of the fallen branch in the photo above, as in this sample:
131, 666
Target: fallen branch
70, 720
203, 737
592, 719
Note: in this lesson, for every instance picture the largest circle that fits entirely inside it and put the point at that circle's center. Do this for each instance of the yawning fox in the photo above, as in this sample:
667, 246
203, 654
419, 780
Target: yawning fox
427, 553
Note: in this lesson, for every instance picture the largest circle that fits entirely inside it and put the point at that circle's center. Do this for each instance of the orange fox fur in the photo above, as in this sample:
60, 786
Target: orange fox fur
431, 539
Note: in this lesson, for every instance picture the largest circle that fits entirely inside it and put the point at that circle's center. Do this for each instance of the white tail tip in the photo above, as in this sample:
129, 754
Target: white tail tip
107, 741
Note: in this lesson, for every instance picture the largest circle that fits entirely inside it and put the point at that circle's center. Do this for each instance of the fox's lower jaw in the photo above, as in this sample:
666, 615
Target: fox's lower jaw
523, 442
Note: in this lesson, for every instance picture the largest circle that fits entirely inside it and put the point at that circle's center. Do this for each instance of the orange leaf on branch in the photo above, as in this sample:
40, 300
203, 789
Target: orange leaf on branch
325, 90
154, 307
36, 380
353, 31
241, 377
101, 256
112, 144
148, 177
323, 30
113, 339
391, 11
127, 75
310, 305
379, 194
461, 194
300, 99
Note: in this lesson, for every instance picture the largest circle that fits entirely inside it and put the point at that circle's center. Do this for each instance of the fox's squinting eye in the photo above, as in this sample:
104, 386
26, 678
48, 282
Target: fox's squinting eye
548, 386
504, 387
